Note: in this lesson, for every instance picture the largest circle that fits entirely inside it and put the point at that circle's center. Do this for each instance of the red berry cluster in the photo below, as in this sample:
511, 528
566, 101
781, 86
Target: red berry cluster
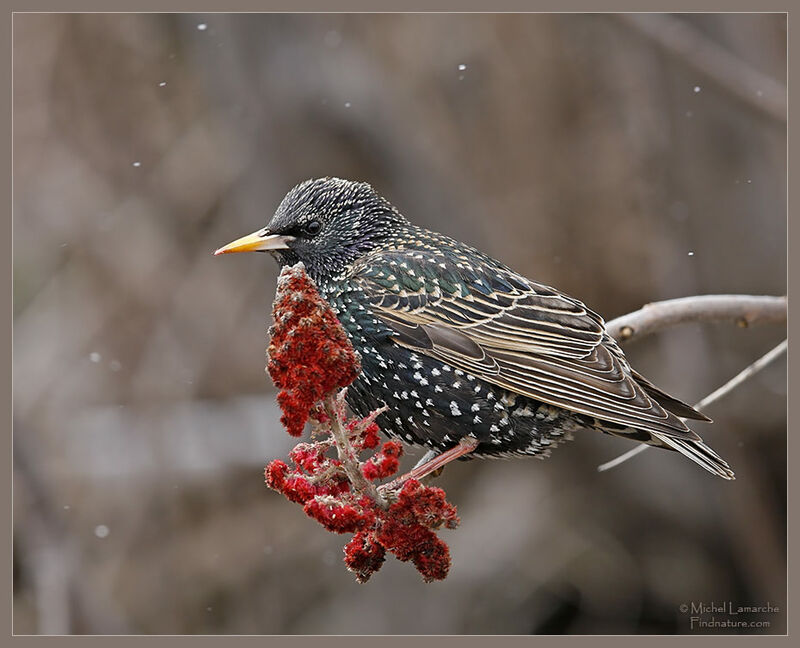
406, 530
401, 523
309, 355
310, 358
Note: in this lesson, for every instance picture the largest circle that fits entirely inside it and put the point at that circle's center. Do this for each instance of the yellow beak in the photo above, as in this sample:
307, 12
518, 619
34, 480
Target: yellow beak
259, 241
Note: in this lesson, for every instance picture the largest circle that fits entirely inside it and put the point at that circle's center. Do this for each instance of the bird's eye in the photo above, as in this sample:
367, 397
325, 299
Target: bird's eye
313, 227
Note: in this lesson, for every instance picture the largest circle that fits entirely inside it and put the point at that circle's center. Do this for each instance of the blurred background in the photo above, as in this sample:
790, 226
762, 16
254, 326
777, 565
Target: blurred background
623, 159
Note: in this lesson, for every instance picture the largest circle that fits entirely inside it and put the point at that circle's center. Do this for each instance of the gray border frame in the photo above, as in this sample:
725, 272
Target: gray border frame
475, 6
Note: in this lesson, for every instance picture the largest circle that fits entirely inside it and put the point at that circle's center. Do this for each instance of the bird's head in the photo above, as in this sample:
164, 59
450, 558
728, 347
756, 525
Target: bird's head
325, 223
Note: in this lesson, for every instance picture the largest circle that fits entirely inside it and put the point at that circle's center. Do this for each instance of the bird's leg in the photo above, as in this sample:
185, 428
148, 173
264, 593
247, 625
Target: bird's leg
430, 454
465, 446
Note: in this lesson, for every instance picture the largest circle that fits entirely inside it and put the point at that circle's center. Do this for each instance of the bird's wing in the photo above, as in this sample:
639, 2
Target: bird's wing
531, 339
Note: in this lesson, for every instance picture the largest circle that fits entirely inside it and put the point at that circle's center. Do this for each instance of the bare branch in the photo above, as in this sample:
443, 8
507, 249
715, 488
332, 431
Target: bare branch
743, 375
713, 397
335, 408
744, 310
694, 49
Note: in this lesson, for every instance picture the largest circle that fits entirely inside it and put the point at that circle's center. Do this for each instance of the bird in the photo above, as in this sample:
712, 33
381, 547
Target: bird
456, 344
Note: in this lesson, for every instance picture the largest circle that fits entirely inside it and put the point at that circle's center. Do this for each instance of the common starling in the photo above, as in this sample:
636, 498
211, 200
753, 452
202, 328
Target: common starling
458, 344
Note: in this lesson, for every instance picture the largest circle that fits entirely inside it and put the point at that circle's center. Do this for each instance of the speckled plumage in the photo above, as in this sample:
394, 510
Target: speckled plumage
456, 343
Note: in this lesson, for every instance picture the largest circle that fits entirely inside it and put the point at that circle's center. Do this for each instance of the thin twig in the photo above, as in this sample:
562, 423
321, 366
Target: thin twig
744, 310
743, 375
334, 408
713, 397
733, 75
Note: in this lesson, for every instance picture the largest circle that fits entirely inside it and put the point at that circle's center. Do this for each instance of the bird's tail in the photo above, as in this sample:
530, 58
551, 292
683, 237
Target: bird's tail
692, 446
697, 451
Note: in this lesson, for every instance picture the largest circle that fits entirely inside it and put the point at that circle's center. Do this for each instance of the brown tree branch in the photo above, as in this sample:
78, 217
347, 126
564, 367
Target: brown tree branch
743, 310
690, 46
